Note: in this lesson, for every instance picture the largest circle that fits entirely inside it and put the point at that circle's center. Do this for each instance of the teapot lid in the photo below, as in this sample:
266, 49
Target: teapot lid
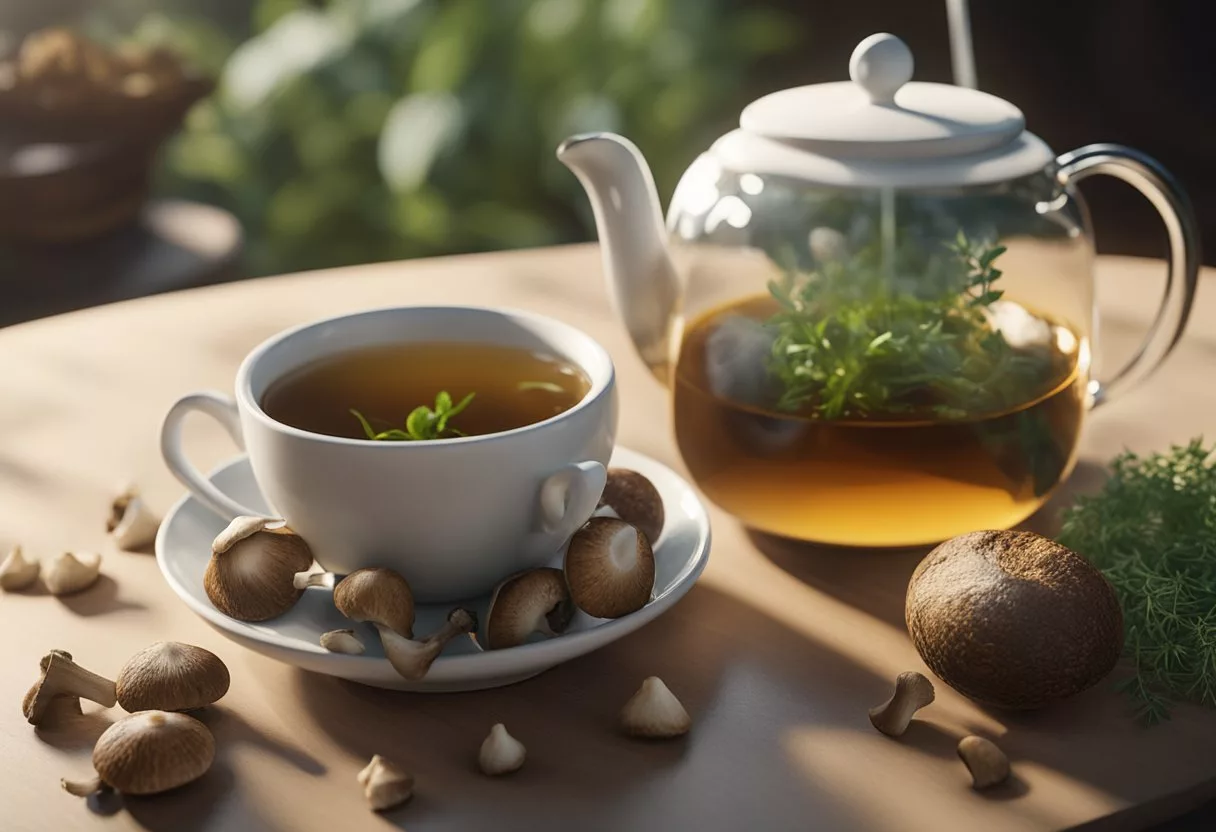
882, 128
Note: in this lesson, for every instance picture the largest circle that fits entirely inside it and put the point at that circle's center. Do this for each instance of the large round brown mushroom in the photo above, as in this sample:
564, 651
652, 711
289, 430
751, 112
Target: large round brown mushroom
1012, 619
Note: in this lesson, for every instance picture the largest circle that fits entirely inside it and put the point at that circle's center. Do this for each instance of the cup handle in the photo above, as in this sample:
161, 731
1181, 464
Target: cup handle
223, 409
1182, 268
568, 498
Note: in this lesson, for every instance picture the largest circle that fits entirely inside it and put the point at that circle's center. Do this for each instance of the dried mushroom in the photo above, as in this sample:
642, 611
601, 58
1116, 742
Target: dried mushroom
609, 567
379, 596
631, 497
62, 677
253, 563
500, 752
385, 784
412, 659
71, 572
131, 524
536, 601
912, 692
342, 641
171, 676
654, 712
17, 573
148, 753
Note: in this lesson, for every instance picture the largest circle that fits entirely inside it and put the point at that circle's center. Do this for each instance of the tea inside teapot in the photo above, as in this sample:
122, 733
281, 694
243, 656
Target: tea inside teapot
842, 397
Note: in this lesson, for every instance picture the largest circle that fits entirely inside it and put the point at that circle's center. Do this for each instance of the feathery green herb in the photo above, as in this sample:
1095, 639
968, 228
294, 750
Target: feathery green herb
1152, 532
422, 423
850, 343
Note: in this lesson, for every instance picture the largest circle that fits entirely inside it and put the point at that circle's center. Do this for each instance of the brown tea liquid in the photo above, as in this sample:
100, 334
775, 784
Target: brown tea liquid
872, 482
512, 387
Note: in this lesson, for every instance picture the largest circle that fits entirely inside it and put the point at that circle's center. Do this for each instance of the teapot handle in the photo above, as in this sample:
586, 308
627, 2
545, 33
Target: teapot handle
1182, 266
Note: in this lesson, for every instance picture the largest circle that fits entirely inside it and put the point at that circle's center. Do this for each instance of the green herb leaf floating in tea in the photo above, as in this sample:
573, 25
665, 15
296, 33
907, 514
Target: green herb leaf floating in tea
1012, 619
1151, 531
422, 424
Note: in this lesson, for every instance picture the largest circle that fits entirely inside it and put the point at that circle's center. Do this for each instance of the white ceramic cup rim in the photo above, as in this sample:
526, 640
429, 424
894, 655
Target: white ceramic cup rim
599, 370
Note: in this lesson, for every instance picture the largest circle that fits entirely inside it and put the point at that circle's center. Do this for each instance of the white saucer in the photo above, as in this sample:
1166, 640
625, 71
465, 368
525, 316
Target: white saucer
183, 547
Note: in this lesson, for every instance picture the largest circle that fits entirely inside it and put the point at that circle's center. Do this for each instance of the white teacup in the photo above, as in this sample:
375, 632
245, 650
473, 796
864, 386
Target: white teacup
454, 516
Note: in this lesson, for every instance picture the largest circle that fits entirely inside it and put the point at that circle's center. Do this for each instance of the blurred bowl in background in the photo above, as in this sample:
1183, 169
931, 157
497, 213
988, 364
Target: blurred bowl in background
80, 127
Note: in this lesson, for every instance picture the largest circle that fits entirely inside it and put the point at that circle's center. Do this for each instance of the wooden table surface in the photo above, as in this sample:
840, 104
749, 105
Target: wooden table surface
777, 653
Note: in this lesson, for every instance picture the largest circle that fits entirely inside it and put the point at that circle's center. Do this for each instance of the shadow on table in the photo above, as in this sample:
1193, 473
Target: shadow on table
197, 805
101, 598
707, 649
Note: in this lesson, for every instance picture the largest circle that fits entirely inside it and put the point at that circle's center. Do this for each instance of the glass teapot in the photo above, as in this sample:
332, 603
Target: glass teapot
873, 303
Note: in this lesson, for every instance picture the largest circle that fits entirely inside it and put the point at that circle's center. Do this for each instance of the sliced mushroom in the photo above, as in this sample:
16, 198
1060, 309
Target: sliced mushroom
631, 497
148, 753
253, 562
610, 568
536, 601
171, 676
71, 572
61, 676
379, 596
412, 659
17, 573
131, 523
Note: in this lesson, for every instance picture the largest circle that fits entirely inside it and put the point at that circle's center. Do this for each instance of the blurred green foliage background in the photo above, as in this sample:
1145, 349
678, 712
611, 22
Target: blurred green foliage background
359, 130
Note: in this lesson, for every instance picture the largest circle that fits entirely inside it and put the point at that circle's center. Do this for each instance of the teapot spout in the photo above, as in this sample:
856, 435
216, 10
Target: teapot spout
641, 277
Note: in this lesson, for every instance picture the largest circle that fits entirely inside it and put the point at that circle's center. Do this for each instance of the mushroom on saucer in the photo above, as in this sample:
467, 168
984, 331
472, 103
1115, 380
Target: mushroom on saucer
536, 601
609, 567
631, 497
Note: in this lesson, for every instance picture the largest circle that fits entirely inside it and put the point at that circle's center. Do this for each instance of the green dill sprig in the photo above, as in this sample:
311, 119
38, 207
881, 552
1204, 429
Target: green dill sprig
423, 423
1151, 530
847, 344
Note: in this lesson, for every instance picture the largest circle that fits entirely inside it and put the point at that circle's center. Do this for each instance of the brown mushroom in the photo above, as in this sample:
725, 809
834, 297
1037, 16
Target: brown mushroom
379, 596
61, 676
253, 564
610, 568
171, 676
536, 601
633, 498
148, 753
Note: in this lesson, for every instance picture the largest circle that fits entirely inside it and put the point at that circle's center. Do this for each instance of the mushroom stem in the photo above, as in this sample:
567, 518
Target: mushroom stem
985, 761
82, 788
304, 580
63, 677
412, 659
912, 692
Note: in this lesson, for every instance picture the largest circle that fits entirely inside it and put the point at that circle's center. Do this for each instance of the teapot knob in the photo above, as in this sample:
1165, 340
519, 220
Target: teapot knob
880, 65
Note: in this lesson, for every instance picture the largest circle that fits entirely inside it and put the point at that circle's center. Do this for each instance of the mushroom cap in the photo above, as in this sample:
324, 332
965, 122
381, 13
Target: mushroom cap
500, 752
634, 499
525, 603
250, 576
610, 568
378, 595
1012, 619
171, 676
153, 751
654, 712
